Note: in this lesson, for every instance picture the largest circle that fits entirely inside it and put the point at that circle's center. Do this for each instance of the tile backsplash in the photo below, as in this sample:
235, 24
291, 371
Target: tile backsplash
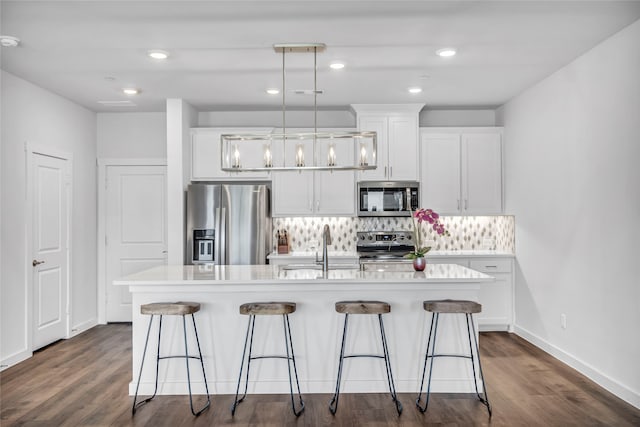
466, 232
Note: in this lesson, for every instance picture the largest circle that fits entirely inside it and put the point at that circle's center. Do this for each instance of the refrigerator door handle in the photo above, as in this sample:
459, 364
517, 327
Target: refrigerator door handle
222, 237
218, 232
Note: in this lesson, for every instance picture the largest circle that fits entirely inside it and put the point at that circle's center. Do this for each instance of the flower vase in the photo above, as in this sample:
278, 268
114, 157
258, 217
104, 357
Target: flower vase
419, 263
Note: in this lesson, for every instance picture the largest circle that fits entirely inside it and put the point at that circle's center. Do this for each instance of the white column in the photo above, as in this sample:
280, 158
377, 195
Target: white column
180, 118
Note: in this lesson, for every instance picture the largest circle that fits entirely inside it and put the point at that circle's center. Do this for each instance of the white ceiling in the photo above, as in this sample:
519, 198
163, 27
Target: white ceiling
222, 56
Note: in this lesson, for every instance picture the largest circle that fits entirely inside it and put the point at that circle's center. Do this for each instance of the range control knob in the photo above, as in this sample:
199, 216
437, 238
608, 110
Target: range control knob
361, 237
370, 237
409, 237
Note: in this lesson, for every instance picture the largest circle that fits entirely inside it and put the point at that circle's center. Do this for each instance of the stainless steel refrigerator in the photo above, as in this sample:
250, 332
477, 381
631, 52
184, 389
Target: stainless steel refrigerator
228, 224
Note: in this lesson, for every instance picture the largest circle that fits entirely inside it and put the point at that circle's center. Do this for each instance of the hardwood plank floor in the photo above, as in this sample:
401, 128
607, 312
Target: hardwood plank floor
83, 382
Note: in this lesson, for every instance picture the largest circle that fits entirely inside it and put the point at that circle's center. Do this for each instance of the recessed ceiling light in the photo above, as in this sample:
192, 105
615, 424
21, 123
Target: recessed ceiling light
9, 41
158, 54
336, 65
415, 89
131, 91
446, 52
273, 91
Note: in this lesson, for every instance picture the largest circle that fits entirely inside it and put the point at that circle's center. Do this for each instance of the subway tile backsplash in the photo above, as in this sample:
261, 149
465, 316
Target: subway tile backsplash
466, 232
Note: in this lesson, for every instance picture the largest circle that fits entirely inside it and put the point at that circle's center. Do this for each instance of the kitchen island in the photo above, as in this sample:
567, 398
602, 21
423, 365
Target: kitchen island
316, 327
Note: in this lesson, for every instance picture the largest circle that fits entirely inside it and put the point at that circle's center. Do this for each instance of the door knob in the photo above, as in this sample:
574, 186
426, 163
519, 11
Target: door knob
36, 262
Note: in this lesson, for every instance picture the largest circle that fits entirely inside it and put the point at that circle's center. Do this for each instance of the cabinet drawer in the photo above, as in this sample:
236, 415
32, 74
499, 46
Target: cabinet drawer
491, 265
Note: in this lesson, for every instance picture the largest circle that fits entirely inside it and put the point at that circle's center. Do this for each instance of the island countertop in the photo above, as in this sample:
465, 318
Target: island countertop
272, 274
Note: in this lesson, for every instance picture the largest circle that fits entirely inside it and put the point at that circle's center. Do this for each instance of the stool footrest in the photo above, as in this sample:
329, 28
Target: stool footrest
375, 356
179, 357
450, 355
270, 357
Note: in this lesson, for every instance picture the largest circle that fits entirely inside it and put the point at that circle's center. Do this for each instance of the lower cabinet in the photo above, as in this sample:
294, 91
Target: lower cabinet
496, 297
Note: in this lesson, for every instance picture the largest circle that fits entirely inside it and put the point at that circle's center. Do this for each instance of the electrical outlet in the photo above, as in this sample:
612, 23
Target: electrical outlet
563, 321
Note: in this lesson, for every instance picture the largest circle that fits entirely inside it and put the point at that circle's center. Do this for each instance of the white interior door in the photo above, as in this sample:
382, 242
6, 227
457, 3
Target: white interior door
136, 229
51, 177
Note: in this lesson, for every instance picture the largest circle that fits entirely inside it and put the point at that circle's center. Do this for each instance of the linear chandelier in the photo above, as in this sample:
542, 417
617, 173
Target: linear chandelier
297, 151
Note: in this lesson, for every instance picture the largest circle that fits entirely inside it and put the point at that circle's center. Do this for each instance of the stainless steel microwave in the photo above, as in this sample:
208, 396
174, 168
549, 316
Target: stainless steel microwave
387, 198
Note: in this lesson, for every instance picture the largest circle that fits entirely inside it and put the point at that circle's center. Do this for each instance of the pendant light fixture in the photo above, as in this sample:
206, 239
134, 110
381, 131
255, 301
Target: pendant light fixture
296, 151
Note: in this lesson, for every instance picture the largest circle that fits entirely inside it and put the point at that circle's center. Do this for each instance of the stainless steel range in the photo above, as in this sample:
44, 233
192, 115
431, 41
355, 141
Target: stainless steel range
384, 247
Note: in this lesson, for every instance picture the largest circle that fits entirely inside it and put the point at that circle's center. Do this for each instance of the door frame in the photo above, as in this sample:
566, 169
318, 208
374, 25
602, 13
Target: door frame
102, 165
32, 149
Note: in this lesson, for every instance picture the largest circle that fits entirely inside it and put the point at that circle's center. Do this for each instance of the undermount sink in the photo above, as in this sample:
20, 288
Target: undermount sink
319, 267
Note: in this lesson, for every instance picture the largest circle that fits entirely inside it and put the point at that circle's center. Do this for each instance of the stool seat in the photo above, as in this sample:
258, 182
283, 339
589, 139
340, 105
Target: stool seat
170, 308
362, 307
452, 306
267, 308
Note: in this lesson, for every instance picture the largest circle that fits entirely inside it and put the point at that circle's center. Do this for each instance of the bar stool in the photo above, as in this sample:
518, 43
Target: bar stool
364, 307
452, 307
254, 309
172, 309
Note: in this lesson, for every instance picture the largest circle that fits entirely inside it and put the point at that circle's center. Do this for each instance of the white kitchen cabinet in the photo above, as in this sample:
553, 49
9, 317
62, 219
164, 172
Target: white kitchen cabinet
205, 155
397, 140
303, 193
496, 297
461, 170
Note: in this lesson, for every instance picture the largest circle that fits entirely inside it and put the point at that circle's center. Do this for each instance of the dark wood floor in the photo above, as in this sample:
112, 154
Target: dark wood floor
83, 382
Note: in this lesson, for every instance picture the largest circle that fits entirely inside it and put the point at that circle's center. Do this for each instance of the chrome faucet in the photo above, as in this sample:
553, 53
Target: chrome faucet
326, 240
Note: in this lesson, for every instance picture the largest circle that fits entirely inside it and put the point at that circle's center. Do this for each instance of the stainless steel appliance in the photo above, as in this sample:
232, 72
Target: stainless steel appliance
387, 198
228, 224
376, 248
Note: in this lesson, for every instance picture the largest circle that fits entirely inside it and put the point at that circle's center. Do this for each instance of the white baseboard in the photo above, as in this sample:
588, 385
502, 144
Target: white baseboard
620, 390
15, 358
84, 326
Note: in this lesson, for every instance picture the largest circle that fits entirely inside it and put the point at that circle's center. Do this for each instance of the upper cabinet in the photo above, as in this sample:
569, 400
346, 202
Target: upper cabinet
461, 170
396, 126
308, 193
206, 152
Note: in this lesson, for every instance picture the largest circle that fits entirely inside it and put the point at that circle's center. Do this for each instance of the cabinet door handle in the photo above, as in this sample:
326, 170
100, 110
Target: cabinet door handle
318, 206
466, 204
385, 171
490, 266
458, 204
390, 171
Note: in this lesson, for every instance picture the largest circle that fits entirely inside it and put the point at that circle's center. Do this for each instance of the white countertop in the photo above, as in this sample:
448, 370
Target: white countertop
271, 274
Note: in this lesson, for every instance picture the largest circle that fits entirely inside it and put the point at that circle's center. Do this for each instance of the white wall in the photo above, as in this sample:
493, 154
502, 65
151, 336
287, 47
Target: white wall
457, 117
273, 118
340, 118
132, 135
34, 115
572, 174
